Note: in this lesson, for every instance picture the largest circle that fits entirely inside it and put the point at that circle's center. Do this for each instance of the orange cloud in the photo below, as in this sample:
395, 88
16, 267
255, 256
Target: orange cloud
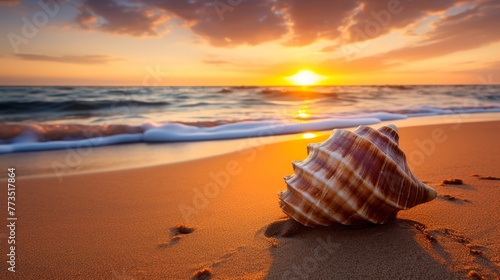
225, 23
76, 59
10, 2
215, 61
473, 28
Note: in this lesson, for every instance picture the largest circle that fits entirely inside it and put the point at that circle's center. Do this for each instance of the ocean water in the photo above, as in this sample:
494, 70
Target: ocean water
47, 118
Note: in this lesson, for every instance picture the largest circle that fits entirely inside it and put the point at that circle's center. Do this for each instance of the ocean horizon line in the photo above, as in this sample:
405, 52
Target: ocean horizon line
251, 85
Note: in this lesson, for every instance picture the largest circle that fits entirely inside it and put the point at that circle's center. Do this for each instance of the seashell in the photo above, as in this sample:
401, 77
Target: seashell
353, 178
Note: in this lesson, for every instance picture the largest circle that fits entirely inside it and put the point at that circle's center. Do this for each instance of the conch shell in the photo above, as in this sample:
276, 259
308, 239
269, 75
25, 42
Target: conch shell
353, 178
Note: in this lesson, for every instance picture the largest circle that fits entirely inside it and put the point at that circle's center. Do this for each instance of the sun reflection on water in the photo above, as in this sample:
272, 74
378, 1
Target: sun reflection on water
308, 135
302, 113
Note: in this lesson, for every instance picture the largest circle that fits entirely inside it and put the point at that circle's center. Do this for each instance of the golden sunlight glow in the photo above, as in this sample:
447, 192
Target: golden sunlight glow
308, 135
305, 78
302, 113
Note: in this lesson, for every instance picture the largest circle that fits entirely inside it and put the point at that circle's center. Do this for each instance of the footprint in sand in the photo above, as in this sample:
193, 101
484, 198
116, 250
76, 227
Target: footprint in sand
177, 234
474, 250
181, 229
456, 182
452, 182
485, 177
202, 274
423, 230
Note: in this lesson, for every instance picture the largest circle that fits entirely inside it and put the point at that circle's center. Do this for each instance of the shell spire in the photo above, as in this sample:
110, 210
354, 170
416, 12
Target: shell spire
353, 178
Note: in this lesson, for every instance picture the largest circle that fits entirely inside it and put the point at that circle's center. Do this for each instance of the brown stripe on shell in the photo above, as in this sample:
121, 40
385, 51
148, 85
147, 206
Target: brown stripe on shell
315, 189
330, 199
388, 178
391, 131
352, 177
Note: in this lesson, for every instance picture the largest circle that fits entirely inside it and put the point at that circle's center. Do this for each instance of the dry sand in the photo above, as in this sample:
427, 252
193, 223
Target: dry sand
219, 218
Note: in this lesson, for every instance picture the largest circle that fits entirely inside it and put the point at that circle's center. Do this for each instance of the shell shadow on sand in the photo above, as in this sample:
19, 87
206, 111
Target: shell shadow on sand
403, 249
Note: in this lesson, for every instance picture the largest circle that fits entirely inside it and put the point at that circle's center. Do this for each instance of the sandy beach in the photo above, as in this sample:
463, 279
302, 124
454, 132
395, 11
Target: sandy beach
172, 139
122, 224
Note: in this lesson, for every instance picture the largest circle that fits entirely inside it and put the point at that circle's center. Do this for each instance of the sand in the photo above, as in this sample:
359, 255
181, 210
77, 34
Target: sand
219, 217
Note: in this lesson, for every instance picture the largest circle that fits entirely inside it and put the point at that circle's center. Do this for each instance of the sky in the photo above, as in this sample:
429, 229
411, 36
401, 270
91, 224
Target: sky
248, 42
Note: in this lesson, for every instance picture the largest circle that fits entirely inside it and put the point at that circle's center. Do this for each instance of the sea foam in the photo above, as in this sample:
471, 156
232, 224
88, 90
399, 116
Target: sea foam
177, 132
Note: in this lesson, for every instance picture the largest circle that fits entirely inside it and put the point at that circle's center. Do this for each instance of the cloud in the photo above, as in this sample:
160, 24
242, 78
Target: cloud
223, 25
120, 18
330, 48
219, 23
316, 19
10, 2
359, 66
76, 59
215, 61
471, 29
379, 17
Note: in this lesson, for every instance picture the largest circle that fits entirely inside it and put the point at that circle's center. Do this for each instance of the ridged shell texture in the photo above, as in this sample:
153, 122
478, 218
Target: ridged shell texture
352, 178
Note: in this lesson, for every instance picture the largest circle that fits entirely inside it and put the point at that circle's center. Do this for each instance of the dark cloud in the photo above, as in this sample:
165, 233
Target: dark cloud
118, 17
247, 22
220, 22
76, 59
226, 23
316, 19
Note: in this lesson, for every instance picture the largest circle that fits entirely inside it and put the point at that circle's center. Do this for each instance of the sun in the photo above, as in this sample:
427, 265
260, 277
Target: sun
305, 78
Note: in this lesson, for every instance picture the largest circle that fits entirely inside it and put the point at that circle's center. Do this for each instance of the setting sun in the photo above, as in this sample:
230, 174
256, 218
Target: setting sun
305, 78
